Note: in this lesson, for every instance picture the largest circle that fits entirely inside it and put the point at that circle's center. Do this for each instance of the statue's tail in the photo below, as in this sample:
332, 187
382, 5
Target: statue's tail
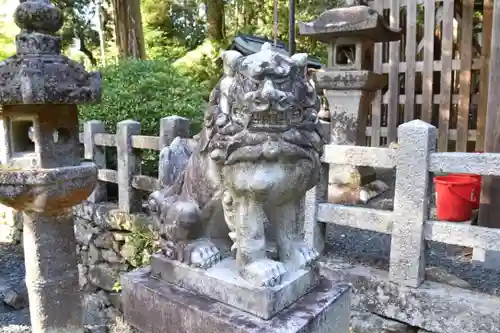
227, 204
173, 161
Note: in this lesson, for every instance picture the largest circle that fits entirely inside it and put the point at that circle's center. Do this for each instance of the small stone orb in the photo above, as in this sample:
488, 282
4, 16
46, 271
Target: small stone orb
38, 16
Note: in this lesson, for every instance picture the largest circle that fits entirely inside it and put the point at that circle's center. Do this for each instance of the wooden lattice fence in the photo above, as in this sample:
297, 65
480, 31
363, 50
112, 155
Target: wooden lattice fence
438, 72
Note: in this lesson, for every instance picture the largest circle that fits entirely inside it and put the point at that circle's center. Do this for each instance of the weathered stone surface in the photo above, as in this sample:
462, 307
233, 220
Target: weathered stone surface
58, 79
13, 299
416, 141
94, 256
84, 231
94, 306
104, 240
78, 181
115, 299
104, 276
46, 178
82, 275
128, 253
112, 257
249, 171
155, 306
107, 216
365, 322
439, 275
223, 283
355, 21
173, 160
433, 306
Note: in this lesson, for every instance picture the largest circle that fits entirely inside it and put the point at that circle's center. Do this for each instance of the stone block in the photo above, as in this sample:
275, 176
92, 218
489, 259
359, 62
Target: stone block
222, 283
103, 276
434, 307
152, 305
365, 322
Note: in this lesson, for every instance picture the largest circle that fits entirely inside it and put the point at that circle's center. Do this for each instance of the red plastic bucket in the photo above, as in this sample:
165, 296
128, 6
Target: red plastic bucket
455, 197
477, 190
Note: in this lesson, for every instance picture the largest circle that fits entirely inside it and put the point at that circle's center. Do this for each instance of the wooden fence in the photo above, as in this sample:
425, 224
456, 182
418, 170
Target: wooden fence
409, 223
128, 141
437, 73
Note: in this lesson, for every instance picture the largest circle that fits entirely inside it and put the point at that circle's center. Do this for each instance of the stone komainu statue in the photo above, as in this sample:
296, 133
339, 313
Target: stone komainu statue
251, 165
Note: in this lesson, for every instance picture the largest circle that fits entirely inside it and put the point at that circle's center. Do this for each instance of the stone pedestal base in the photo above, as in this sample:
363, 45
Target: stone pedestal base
155, 306
222, 283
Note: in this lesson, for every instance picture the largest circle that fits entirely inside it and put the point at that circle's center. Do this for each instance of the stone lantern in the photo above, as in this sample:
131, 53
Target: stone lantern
42, 174
349, 83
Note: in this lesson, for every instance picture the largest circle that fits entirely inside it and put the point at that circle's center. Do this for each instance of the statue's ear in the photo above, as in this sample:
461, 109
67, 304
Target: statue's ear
230, 57
300, 59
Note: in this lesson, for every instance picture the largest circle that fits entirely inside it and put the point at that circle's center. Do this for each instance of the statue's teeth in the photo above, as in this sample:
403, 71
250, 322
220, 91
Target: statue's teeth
269, 120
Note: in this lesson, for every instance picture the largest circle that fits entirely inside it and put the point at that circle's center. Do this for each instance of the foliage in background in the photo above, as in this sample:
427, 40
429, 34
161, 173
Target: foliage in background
257, 17
172, 28
8, 29
202, 65
178, 30
145, 91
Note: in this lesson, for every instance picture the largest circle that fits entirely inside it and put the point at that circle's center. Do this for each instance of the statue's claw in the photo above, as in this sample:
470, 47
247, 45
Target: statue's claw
303, 255
264, 273
204, 255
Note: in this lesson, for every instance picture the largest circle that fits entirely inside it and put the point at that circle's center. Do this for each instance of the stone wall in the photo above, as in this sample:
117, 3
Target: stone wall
110, 242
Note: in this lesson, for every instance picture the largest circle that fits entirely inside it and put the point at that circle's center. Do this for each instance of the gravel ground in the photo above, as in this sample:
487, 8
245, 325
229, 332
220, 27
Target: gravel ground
12, 276
371, 248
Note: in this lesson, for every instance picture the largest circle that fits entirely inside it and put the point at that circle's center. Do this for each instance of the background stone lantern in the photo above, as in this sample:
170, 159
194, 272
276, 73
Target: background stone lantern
349, 83
42, 174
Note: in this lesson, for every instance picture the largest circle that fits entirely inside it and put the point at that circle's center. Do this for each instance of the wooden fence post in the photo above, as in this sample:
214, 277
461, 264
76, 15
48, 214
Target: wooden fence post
128, 165
172, 127
417, 141
97, 154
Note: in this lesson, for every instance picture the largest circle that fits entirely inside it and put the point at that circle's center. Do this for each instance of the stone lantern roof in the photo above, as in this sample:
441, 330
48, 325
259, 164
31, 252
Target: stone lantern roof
361, 22
38, 73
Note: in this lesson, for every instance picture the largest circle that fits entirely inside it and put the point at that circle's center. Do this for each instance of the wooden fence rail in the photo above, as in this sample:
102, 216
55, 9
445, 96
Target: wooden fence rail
127, 141
409, 223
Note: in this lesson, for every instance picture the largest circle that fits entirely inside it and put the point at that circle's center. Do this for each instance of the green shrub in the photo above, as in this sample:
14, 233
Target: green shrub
145, 91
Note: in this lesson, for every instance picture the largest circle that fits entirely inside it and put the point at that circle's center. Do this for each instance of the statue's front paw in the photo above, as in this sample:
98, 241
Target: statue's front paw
303, 255
264, 273
204, 255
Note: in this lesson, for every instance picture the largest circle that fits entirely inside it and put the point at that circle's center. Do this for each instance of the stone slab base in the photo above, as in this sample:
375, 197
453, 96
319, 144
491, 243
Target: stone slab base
434, 307
222, 283
154, 306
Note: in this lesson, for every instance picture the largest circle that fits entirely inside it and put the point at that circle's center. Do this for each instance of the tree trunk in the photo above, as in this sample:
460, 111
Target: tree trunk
215, 20
128, 29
